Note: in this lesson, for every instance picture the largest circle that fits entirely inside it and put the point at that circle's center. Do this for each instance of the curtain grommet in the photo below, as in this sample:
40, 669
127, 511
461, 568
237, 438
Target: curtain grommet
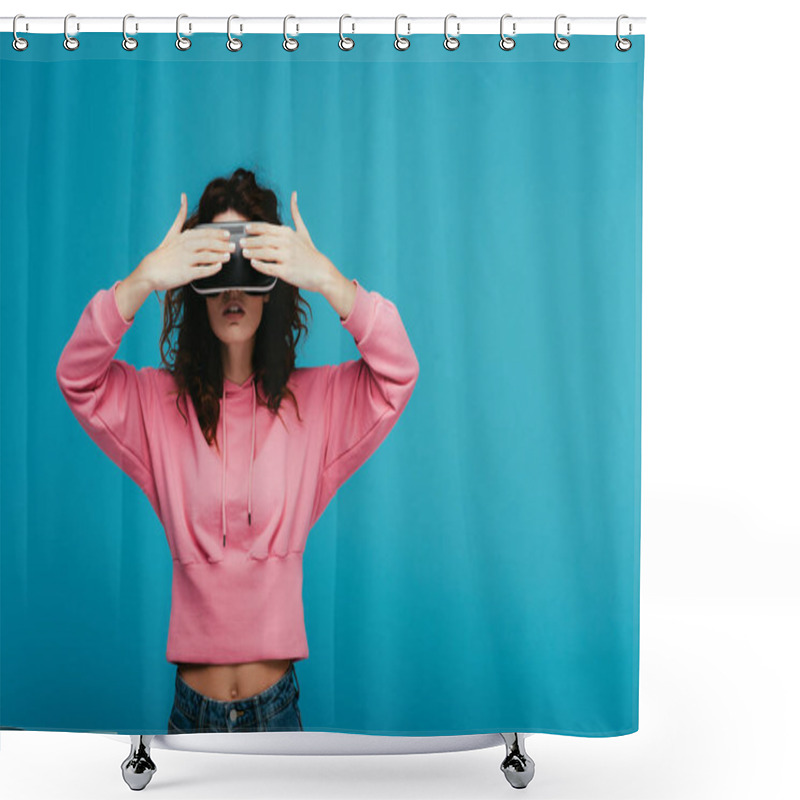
507, 42
18, 43
290, 44
128, 42
560, 44
182, 43
451, 42
70, 42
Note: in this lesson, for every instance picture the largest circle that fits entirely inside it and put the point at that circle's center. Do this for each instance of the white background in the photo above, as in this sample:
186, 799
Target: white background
719, 558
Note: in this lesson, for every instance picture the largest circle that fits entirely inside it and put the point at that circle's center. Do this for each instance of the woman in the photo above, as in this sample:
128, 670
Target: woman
237, 516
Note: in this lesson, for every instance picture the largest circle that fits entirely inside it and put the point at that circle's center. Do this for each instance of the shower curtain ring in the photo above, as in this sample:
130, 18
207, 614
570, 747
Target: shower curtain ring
182, 43
561, 43
233, 43
623, 45
128, 42
451, 42
400, 42
288, 42
70, 42
18, 43
345, 42
507, 42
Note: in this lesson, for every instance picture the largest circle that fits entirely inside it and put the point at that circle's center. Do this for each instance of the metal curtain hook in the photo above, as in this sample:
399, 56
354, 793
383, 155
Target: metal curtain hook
400, 42
451, 42
345, 42
288, 42
233, 43
18, 43
70, 42
182, 43
623, 45
506, 42
561, 43
128, 42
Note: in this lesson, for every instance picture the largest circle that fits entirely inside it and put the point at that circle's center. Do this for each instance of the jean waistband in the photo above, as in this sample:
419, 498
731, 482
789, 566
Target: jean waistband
191, 702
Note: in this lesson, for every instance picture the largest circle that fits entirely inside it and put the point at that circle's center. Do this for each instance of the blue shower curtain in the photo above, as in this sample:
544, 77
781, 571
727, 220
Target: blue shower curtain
480, 572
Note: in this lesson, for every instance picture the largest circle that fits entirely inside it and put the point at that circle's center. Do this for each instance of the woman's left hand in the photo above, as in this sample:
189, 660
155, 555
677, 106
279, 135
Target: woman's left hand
289, 254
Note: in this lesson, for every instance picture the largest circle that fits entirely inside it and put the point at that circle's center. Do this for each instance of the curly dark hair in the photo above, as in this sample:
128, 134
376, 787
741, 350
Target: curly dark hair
196, 356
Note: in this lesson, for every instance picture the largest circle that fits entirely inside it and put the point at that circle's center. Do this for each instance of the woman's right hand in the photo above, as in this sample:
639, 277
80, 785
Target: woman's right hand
185, 256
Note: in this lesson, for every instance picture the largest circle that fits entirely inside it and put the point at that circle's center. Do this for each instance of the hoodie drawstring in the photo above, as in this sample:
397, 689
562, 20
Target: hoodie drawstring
252, 458
225, 461
224, 449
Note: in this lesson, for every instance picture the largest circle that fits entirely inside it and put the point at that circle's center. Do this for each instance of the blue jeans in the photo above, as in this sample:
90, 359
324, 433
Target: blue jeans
274, 709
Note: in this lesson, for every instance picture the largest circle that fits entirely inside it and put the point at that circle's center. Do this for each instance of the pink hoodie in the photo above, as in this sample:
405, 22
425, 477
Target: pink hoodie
237, 521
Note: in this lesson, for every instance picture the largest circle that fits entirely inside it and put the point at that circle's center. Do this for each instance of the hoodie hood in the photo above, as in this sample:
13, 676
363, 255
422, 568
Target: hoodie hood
229, 387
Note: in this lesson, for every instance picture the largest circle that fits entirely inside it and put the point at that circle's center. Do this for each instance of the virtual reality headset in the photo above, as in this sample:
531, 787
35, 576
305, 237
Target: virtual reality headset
237, 272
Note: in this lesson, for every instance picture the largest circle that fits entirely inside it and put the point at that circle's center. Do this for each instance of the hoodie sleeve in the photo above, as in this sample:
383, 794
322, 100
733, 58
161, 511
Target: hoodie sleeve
107, 396
364, 398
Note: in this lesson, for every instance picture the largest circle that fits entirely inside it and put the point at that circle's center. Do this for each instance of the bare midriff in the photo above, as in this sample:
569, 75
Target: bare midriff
233, 681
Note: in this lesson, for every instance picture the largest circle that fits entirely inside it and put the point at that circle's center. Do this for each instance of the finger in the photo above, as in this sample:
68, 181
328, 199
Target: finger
264, 251
259, 227
269, 267
201, 270
209, 237
266, 233
176, 226
208, 257
278, 254
276, 234
299, 225
207, 244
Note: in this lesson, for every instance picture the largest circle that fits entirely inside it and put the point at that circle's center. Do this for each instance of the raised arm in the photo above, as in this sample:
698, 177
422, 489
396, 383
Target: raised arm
364, 398
109, 397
